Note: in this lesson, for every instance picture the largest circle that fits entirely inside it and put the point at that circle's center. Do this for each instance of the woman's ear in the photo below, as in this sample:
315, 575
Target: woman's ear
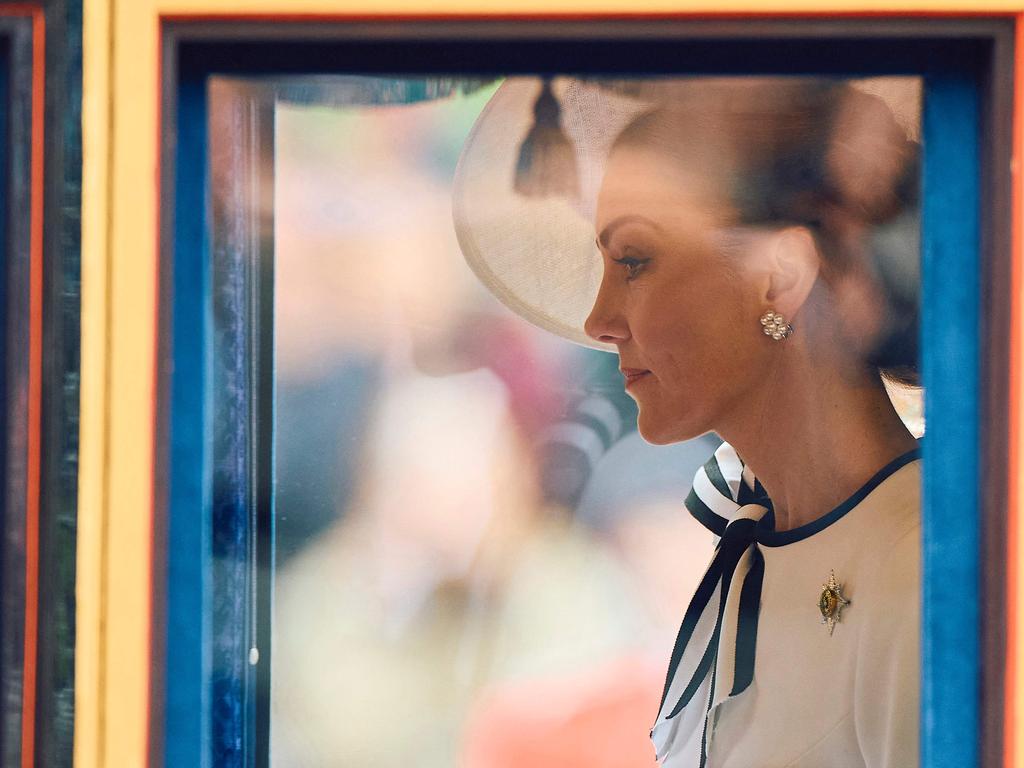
791, 262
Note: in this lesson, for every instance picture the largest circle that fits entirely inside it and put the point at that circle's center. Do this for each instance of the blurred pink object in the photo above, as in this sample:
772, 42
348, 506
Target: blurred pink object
597, 718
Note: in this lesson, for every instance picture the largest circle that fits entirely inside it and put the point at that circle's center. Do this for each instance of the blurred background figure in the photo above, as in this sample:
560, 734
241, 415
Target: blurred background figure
454, 520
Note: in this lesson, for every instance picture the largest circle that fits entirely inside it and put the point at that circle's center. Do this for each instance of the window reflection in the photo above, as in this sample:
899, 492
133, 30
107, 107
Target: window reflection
479, 560
445, 563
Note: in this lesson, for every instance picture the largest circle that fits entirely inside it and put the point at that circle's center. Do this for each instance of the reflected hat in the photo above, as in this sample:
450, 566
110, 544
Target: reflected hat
527, 181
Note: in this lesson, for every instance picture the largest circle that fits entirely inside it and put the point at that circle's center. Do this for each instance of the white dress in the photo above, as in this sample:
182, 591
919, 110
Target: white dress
761, 682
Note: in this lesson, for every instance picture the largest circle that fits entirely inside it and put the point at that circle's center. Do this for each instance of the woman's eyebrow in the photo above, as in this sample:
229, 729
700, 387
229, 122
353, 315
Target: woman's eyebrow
606, 233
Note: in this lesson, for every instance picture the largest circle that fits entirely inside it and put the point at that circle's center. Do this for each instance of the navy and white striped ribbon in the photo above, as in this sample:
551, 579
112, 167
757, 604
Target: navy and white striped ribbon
713, 657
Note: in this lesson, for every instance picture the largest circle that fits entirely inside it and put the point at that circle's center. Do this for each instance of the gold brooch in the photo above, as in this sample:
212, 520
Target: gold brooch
831, 602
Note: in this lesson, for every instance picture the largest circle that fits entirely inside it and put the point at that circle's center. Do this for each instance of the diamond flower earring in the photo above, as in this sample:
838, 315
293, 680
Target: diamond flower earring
775, 325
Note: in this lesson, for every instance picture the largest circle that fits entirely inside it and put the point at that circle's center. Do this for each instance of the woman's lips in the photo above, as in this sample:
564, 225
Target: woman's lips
634, 374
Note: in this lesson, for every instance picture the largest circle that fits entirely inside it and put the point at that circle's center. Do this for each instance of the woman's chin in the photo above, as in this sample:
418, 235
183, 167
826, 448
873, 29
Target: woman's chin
658, 429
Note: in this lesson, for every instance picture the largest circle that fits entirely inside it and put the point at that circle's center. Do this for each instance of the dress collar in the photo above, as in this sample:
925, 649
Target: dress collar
724, 484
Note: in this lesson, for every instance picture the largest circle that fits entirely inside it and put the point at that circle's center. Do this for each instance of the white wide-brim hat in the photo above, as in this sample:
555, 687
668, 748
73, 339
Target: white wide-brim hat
527, 181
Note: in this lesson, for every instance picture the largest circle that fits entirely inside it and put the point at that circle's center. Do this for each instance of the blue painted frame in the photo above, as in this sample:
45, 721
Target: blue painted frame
950, 356
950, 345
189, 659
211, 489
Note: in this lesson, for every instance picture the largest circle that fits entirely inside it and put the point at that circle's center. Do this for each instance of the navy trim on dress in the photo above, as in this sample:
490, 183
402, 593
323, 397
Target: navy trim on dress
769, 537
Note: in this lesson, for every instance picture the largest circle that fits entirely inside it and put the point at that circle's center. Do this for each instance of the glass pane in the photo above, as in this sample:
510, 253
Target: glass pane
482, 551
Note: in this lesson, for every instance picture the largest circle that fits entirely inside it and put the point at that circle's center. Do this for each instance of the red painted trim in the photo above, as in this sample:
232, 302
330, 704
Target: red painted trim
21, 9
579, 16
28, 707
35, 354
1013, 520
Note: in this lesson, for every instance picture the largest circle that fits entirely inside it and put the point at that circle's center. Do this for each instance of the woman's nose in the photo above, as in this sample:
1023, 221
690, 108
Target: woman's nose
605, 323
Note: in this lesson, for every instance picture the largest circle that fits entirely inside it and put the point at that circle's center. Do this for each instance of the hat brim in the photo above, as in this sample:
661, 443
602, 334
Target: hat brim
538, 256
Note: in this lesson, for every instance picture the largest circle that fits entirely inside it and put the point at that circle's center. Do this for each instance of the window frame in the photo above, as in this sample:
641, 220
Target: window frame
982, 49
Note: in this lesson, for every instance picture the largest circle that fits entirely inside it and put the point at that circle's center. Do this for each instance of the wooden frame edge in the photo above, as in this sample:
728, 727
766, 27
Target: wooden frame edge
997, 331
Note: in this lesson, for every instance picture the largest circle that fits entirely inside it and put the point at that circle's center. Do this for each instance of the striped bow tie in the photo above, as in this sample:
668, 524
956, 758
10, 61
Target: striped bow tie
713, 657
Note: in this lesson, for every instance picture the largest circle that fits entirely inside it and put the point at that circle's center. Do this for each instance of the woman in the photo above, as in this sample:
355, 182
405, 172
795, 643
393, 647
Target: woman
751, 235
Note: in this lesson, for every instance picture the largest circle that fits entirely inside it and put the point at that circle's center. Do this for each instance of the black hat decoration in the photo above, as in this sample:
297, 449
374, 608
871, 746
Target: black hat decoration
547, 158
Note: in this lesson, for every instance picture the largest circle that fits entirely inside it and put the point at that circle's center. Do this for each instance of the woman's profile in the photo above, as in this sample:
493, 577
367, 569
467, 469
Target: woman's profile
747, 247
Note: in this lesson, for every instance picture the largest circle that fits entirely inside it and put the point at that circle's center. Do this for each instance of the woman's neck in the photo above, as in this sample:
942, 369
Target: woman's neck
814, 438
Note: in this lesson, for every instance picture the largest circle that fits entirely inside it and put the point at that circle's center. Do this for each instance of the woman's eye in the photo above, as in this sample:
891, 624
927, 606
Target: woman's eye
632, 264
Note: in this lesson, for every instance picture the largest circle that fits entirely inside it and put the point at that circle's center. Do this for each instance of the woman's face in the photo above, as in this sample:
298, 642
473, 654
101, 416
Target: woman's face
683, 315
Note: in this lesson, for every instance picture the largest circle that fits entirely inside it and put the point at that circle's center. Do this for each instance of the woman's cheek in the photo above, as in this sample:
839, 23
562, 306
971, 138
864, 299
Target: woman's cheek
663, 320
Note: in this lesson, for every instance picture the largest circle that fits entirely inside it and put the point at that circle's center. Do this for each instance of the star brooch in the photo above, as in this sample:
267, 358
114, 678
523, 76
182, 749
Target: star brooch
831, 602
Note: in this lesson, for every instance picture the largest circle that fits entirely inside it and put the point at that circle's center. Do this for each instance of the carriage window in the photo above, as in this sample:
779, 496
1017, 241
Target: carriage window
458, 539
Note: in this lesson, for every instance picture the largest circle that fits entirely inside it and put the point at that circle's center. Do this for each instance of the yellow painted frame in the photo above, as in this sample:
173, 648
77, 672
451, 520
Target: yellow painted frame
119, 289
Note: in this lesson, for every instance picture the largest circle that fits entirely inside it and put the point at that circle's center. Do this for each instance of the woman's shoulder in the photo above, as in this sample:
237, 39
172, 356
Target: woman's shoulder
888, 536
892, 510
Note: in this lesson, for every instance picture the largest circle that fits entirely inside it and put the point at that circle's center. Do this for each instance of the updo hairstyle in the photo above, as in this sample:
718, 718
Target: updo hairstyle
818, 153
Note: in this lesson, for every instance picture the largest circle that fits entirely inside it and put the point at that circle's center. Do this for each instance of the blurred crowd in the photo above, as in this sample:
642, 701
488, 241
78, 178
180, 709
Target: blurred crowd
479, 561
